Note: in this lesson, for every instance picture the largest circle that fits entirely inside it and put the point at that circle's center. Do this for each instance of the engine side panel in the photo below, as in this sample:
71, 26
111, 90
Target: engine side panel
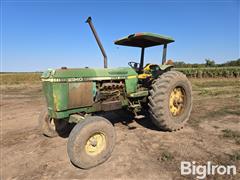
80, 94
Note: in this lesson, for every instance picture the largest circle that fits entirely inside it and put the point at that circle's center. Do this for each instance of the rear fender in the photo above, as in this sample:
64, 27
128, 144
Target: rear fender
165, 67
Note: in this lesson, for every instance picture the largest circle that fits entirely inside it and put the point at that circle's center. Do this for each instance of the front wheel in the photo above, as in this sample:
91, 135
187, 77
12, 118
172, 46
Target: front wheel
170, 101
51, 127
91, 142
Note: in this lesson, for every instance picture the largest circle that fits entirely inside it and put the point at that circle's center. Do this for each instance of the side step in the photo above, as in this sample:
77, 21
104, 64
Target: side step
136, 107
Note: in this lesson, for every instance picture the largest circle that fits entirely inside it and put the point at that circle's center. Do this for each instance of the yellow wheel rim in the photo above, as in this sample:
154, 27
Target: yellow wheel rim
95, 144
177, 101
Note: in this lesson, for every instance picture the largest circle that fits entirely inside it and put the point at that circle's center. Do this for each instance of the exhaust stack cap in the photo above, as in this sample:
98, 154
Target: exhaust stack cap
88, 19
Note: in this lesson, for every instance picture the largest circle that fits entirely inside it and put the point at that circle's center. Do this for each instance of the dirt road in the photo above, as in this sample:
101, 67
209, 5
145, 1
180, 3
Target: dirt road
141, 151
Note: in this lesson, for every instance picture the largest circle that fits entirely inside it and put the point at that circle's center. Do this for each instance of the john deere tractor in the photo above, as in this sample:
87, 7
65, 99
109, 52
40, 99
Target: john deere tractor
78, 96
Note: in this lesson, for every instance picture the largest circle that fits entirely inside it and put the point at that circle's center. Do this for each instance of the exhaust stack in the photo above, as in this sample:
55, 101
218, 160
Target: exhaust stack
89, 21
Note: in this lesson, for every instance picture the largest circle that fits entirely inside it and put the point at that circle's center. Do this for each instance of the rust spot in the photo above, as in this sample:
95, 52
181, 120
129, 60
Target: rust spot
55, 101
80, 94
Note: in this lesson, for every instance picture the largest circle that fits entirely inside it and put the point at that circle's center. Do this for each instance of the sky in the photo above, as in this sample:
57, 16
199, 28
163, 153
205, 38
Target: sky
42, 34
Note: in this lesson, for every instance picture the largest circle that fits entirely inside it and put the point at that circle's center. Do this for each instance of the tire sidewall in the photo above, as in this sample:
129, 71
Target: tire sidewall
44, 124
79, 136
183, 83
160, 97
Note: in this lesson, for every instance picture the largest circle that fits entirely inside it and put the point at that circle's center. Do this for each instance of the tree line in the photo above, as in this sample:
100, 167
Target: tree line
208, 63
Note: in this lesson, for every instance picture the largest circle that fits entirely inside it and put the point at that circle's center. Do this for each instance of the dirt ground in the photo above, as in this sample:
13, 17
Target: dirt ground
141, 151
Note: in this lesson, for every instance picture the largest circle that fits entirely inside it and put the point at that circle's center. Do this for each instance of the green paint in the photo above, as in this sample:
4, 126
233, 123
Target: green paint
67, 113
60, 96
131, 85
124, 102
56, 90
89, 73
48, 92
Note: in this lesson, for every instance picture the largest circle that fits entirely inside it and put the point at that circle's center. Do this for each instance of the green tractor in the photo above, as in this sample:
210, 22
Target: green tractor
78, 96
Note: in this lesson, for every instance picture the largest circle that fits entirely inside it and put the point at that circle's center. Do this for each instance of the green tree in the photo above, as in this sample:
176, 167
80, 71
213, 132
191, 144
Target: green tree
209, 63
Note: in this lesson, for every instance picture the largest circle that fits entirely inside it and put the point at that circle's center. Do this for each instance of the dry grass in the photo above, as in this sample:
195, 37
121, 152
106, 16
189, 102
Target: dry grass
19, 78
167, 156
215, 82
221, 96
235, 156
233, 135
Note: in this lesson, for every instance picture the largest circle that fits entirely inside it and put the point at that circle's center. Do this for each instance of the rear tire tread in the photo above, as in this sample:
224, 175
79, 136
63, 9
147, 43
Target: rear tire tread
158, 100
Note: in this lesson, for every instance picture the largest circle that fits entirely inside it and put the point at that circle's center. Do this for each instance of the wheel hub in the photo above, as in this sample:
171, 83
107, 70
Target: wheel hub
95, 144
176, 101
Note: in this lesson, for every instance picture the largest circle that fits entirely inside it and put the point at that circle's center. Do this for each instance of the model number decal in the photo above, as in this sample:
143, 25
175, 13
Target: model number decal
80, 79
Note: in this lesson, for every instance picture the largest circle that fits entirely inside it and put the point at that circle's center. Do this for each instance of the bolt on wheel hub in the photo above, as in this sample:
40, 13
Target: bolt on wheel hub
177, 101
95, 144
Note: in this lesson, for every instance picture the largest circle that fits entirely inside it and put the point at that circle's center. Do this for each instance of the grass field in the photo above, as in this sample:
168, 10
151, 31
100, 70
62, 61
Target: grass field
18, 78
220, 72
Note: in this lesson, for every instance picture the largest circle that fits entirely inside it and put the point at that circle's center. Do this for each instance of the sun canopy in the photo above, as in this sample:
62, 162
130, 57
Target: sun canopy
144, 40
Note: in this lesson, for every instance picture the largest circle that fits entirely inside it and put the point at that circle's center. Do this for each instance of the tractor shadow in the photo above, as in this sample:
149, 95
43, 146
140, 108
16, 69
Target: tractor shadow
127, 118
67, 130
123, 117
147, 123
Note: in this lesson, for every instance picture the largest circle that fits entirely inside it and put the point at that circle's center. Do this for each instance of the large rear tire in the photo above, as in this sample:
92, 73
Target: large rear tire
91, 142
170, 101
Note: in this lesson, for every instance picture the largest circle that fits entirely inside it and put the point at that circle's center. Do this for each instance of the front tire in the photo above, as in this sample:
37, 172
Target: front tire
52, 127
170, 101
91, 142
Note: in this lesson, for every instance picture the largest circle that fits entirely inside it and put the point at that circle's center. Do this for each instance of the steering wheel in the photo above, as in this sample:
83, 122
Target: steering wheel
133, 65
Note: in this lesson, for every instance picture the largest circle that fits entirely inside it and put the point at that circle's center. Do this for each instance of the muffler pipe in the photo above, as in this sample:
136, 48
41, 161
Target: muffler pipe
89, 21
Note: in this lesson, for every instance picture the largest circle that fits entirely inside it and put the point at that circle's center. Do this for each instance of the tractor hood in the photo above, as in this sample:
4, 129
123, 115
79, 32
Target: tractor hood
87, 74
